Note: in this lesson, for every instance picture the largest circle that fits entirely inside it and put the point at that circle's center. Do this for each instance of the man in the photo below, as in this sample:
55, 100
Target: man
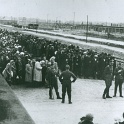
65, 79
52, 80
108, 77
119, 78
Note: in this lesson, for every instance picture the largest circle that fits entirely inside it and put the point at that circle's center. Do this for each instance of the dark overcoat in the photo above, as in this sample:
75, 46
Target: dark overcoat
108, 75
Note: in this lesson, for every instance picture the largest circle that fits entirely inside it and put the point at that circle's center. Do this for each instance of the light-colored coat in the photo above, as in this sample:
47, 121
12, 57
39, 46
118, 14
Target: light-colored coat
37, 72
7, 72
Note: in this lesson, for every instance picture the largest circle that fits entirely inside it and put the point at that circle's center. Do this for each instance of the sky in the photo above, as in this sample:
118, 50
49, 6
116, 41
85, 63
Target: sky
65, 10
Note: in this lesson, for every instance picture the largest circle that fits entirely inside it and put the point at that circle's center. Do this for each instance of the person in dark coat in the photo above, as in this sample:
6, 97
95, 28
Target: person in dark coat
86, 65
44, 68
65, 79
119, 78
94, 67
108, 77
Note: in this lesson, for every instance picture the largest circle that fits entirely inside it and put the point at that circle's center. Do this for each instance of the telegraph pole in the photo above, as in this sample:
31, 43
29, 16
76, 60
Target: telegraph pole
47, 21
56, 22
74, 19
87, 29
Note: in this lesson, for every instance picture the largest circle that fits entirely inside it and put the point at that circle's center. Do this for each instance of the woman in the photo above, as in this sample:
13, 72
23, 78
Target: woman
37, 72
8, 73
28, 72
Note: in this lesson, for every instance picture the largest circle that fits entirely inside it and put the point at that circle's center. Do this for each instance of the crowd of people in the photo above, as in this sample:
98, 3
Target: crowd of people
109, 75
19, 47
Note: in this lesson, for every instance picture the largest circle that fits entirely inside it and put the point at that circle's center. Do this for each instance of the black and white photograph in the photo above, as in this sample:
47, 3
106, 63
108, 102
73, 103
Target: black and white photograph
61, 61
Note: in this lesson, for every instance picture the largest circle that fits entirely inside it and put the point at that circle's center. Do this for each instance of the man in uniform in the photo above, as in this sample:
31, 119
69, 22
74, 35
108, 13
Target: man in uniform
65, 79
119, 77
108, 77
51, 77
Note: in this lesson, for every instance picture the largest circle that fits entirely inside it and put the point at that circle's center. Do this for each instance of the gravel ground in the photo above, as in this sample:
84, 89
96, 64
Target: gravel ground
86, 98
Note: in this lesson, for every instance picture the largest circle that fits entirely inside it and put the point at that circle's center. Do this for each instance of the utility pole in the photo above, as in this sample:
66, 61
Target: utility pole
56, 22
87, 29
47, 21
74, 19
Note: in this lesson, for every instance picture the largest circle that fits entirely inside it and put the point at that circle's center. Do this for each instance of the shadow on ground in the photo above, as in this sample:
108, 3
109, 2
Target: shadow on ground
5, 111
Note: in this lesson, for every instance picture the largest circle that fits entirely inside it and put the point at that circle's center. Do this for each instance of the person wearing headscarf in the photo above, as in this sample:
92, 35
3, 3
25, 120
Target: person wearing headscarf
7, 72
51, 77
54, 65
28, 72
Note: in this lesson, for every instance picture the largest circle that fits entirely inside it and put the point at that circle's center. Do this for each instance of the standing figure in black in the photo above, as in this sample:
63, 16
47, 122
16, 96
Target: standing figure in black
119, 78
65, 79
108, 77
